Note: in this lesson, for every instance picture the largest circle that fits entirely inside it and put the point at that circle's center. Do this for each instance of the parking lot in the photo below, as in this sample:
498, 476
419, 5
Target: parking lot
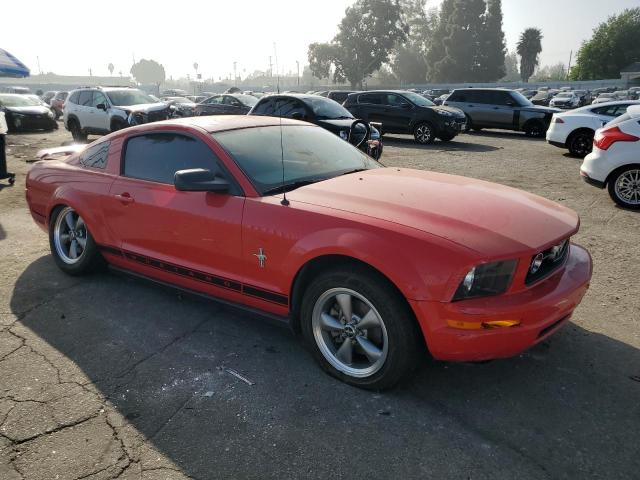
107, 376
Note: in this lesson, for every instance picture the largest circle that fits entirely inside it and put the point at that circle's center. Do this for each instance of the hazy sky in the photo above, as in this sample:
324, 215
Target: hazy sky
71, 36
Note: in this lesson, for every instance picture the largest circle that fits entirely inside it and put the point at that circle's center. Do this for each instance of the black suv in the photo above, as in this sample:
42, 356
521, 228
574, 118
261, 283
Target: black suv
407, 112
325, 113
501, 108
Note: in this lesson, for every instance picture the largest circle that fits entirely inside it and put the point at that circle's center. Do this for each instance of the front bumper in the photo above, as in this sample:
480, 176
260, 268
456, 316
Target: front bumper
32, 122
541, 311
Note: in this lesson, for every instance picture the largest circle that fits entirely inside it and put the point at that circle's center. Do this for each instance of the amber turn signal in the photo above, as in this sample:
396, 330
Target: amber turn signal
459, 324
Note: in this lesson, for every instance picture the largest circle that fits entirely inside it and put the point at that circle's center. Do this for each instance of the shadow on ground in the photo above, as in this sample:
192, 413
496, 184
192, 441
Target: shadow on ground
459, 144
566, 409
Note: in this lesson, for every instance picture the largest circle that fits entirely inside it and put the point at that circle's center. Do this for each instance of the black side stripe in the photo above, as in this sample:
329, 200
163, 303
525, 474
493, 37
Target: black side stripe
204, 277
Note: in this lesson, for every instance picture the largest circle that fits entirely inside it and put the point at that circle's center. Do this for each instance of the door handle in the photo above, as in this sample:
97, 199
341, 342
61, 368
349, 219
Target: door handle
124, 198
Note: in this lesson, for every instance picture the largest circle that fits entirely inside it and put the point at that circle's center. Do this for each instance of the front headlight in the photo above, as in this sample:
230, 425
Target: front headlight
50, 114
445, 113
486, 279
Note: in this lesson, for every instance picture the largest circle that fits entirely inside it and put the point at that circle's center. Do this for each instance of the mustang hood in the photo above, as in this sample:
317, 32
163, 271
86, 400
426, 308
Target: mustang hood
491, 219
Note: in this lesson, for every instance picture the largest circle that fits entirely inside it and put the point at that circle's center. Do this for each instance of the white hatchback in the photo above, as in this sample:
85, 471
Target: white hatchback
574, 130
614, 162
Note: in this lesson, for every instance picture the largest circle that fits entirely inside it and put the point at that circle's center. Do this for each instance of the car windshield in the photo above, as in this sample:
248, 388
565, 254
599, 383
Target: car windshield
564, 95
326, 109
247, 100
311, 154
125, 98
607, 95
18, 101
521, 99
418, 100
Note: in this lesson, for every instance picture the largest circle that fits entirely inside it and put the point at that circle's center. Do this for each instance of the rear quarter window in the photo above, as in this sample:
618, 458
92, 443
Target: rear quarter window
95, 156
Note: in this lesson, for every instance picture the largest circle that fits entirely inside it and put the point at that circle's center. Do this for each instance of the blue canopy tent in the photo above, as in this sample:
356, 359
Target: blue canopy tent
10, 66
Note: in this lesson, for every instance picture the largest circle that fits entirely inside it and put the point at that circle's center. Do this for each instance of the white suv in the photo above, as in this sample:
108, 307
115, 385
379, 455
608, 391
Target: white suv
574, 130
101, 110
615, 160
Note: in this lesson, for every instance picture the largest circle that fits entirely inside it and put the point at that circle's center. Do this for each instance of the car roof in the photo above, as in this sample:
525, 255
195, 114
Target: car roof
221, 123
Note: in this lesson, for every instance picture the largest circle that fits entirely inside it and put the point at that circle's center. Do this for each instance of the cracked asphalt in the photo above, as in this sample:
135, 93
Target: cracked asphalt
106, 376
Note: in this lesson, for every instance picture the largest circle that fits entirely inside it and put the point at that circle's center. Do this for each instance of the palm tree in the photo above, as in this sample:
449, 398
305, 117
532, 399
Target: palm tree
529, 47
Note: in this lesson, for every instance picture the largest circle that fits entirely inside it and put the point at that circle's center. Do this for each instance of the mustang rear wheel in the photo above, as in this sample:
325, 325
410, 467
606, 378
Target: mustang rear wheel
359, 329
624, 187
72, 245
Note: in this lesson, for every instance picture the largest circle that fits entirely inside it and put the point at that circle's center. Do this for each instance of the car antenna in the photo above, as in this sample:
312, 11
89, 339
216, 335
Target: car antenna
284, 200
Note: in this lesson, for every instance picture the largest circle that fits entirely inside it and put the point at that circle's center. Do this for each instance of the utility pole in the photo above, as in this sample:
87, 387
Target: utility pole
569, 66
39, 69
235, 75
298, 70
270, 67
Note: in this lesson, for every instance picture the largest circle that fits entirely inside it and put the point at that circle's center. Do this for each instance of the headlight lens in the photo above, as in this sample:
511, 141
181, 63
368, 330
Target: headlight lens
445, 113
486, 279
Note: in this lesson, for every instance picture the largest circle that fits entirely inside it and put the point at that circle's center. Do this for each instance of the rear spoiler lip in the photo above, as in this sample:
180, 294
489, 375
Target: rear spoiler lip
57, 152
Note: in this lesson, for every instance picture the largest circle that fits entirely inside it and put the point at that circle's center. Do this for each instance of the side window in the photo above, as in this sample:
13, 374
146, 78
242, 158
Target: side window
370, 98
610, 111
158, 156
289, 107
85, 97
458, 96
98, 98
395, 100
214, 100
74, 98
265, 107
229, 100
95, 156
503, 98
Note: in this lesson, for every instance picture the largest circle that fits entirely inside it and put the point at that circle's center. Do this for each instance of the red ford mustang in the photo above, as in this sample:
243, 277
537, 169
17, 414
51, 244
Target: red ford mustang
371, 264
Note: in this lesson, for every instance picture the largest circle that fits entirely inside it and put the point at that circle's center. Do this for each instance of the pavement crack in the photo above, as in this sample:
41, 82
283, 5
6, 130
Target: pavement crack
59, 428
177, 339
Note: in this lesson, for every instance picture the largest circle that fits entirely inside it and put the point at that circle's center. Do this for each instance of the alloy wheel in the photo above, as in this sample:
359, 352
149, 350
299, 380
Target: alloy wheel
581, 144
350, 332
424, 133
627, 187
70, 236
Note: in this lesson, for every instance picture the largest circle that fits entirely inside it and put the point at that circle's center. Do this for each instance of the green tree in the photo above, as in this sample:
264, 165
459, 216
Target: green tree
366, 36
614, 45
529, 47
409, 63
491, 45
435, 48
511, 72
462, 49
148, 72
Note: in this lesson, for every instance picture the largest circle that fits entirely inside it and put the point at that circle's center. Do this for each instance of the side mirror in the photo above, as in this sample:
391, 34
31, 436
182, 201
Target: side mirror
101, 106
199, 180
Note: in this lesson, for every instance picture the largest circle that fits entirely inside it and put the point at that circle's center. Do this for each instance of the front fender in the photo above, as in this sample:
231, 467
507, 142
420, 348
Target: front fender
421, 269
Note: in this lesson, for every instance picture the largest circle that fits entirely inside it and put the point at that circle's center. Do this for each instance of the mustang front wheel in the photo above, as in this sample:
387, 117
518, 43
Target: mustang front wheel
359, 329
72, 245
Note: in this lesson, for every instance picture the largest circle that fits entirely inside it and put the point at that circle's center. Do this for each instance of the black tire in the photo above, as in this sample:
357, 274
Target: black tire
89, 260
76, 132
403, 337
580, 143
630, 173
424, 133
535, 129
447, 138
118, 124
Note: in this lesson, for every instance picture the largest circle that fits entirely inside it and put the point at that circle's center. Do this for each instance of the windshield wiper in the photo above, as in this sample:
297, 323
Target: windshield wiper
355, 171
287, 187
